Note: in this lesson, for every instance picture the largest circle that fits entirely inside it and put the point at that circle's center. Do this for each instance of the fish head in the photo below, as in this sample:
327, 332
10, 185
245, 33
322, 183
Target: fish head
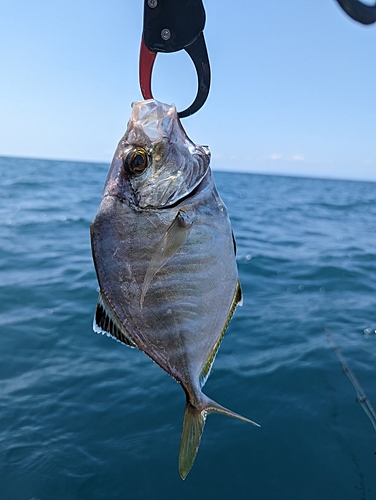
155, 164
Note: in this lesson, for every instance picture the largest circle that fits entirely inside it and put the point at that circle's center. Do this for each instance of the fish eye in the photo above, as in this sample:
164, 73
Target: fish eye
137, 161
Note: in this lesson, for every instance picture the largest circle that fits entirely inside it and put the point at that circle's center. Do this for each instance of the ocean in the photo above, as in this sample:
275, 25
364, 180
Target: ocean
84, 417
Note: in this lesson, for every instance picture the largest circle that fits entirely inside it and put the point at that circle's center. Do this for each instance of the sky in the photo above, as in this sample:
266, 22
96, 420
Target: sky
293, 84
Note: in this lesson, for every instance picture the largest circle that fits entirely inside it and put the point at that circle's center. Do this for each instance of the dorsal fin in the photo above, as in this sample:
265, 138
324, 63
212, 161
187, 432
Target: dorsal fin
237, 300
107, 323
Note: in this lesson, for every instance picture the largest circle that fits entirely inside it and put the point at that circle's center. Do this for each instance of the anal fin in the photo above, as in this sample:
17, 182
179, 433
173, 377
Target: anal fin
106, 323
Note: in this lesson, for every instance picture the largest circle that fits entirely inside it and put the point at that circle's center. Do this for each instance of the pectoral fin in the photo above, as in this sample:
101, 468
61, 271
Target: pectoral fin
170, 243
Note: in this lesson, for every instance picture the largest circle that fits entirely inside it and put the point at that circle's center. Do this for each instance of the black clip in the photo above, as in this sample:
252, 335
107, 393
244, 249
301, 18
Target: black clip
170, 26
365, 14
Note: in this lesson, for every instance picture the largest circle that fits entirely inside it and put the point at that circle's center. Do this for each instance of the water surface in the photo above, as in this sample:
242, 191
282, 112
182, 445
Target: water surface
84, 417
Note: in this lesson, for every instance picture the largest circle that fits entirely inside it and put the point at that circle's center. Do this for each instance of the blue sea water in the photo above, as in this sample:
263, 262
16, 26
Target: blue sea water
83, 417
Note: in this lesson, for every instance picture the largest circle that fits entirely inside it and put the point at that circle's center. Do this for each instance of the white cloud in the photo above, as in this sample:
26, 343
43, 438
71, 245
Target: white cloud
275, 157
279, 157
298, 158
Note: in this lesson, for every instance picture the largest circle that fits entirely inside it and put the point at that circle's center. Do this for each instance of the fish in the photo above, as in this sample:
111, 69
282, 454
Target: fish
165, 258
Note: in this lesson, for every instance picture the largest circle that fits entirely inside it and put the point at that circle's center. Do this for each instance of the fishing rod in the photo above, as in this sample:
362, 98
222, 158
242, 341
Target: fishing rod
362, 398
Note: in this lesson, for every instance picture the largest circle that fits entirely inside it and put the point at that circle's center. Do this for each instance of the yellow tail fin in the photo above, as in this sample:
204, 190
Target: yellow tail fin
193, 427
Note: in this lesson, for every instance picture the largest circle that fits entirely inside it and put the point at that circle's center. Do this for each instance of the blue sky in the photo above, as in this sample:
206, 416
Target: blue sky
293, 84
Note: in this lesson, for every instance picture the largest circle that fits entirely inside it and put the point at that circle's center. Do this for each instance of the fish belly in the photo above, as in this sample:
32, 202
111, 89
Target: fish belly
183, 312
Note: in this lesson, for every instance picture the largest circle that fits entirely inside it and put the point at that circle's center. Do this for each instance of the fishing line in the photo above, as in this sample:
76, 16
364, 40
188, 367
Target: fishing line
361, 395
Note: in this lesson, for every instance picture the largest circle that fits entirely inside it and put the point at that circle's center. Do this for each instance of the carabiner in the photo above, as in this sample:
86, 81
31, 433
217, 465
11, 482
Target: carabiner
170, 26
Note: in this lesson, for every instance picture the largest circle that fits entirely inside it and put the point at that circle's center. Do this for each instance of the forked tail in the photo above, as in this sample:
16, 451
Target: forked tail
193, 426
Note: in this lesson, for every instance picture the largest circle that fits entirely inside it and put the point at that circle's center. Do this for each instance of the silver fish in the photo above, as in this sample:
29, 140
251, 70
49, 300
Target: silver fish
164, 254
